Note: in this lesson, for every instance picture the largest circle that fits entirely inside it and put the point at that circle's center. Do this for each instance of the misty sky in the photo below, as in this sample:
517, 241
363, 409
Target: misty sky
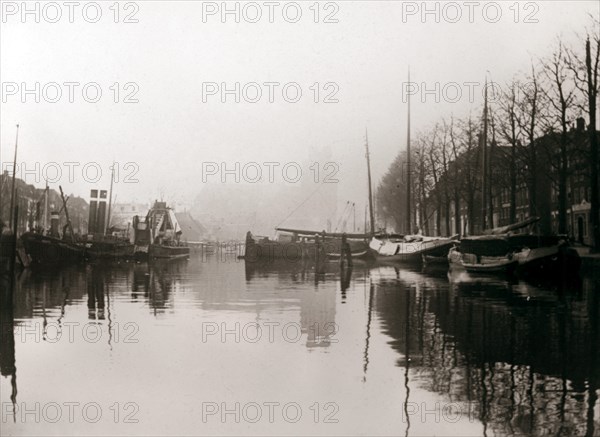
171, 52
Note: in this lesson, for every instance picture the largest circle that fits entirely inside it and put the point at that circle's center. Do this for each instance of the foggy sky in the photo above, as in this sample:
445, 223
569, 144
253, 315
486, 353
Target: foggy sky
170, 52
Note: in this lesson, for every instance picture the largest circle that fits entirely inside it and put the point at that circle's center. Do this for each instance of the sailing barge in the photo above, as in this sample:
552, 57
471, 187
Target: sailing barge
296, 244
410, 248
502, 251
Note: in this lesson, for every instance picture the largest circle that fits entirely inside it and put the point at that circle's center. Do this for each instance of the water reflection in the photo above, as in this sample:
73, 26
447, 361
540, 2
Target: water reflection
7, 339
522, 358
519, 358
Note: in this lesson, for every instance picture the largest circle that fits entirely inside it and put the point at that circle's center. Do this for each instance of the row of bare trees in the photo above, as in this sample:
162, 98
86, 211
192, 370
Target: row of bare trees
531, 140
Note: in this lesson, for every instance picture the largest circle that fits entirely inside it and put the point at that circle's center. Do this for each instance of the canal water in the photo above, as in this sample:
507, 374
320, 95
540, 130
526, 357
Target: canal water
212, 346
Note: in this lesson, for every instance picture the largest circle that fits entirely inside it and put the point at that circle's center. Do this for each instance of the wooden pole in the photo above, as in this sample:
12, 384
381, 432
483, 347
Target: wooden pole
490, 176
13, 256
408, 166
370, 189
62, 196
45, 208
484, 175
12, 189
112, 176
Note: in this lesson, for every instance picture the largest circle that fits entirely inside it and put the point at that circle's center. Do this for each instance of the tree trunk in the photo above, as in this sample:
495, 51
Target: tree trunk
457, 229
438, 218
513, 183
471, 213
447, 208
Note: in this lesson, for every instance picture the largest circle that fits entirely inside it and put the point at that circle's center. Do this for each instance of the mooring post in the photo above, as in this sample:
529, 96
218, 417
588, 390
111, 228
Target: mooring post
342, 251
348, 251
320, 254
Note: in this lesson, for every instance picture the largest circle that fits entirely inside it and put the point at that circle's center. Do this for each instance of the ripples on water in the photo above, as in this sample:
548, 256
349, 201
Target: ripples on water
174, 348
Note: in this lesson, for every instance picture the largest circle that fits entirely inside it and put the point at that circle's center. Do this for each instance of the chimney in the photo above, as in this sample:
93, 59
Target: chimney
580, 124
54, 224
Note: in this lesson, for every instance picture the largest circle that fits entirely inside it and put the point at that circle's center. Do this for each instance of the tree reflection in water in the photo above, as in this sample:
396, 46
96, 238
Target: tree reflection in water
522, 358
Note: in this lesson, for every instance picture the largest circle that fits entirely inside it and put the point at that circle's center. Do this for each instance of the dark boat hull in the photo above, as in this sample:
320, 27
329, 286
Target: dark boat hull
549, 261
527, 254
7, 251
43, 249
109, 250
501, 267
298, 251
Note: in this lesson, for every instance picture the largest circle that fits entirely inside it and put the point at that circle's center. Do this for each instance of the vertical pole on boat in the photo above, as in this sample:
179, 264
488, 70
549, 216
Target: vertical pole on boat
353, 217
12, 189
489, 170
46, 207
112, 177
484, 175
370, 189
13, 256
62, 195
408, 166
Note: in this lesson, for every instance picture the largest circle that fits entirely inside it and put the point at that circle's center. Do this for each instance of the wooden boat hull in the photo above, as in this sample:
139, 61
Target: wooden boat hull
43, 249
501, 266
410, 252
551, 261
7, 245
535, 255
156, 251
435, 260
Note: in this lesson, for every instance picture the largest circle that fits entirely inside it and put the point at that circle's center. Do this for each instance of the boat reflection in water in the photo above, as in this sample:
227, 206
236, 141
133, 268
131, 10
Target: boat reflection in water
400, 351
520, 359
8, 368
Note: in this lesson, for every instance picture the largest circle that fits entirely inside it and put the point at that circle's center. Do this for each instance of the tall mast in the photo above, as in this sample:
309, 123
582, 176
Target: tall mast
112, 177
12, 189
45, 207
484, 175
369, 177
408, 166
489, 171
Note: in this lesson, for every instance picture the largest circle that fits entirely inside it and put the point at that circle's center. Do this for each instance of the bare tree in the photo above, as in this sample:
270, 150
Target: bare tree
436, 172
586, 70
470, 170
530, 120
510, 132
456, 183
560, 93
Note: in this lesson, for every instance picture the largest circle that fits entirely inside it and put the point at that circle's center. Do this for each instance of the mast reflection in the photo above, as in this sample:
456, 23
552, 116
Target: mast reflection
523, 359
8, 366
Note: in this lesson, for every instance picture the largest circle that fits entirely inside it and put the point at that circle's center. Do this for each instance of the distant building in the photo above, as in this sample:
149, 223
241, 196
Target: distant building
191, 230
546, 203
31, 206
